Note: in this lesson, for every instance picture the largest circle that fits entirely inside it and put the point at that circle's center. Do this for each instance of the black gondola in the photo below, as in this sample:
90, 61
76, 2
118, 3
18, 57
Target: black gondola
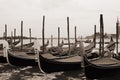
106, 68
21, 60
16, 42
26, 47
103, 66
2, 59
29, 44
49, 64
90, 47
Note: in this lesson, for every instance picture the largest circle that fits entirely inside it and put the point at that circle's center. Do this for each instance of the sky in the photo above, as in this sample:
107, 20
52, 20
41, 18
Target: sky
83, 14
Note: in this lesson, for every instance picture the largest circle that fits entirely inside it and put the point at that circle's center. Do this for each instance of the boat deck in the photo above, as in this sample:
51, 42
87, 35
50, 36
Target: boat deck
105, 61
63, 59
23, 54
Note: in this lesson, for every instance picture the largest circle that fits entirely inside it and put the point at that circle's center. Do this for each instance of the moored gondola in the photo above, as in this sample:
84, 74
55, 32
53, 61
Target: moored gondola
20, 60
89, 48
29, 44
2, 59
101, 68
49, 63
26, 45
104, 66
16, 42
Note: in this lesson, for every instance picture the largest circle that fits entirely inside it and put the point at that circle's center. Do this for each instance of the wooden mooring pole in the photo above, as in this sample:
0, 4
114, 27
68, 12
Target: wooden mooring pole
117, 34
21, 35
51, 40
58, 36
30, 34
5, 32
102, 34
43, 34
14, 34
75, 35
11, 37
68, 34
94, 40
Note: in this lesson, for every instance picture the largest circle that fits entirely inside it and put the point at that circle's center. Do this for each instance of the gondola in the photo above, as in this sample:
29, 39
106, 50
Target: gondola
12, 45
2, 58
111, 45
90, 47
20, 60
29, 44
105, 68
49, 63
87, 41
57, 51
16, 42
95, 53
102, 67
26, 47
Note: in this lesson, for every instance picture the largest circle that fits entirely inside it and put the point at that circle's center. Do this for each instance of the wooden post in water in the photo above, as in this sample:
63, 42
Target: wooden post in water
21, 35
100, 44
51, 40
11, 37
117, 34
75, 35
5, 32
14, 34
102, 34
43, 35
58, 36
68, 35
94, 40
30, 34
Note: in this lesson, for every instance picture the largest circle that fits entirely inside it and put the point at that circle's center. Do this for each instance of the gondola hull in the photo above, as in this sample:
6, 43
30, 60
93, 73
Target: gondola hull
16, 60
93, 71
16, 42
50, 66
3, 59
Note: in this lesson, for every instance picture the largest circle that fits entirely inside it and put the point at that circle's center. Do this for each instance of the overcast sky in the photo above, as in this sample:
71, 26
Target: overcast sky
82, 13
